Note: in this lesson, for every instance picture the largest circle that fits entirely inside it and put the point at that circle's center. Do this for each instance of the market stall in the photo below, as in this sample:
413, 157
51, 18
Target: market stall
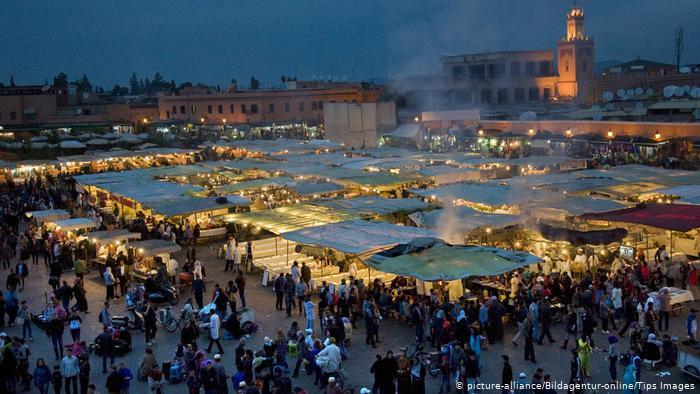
454, 223
71, 225
148, 254
47, 215
110, 242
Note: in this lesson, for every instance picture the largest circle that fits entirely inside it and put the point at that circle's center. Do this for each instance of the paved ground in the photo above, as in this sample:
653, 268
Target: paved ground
392, 334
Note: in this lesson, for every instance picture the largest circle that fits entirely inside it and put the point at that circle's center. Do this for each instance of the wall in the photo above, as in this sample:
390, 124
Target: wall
647, 129
356, 124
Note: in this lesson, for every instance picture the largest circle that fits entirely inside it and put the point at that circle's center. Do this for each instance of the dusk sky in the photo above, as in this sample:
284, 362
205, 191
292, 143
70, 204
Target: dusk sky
213, 41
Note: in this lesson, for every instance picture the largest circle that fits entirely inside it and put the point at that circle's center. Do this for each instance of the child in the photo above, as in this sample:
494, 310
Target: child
56, 379
445, 373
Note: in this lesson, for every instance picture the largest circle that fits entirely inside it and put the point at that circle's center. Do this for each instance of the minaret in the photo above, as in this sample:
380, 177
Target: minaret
575, 60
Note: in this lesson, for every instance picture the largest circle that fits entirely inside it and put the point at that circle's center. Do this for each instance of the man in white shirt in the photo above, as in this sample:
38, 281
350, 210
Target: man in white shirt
230, 251
172, 270
214, 329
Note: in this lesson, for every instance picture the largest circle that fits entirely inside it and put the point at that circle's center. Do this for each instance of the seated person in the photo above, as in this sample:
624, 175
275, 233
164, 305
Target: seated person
233, 325
670, 351
652, 349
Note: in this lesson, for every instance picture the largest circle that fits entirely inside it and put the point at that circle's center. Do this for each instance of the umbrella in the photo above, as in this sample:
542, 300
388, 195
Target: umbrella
129, 139
111, 136
143, 136
98, 141
72, 144
87, 136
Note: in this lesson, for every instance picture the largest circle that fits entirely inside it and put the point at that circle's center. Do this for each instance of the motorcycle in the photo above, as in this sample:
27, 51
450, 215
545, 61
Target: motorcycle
122, 343
133, 322
164, 294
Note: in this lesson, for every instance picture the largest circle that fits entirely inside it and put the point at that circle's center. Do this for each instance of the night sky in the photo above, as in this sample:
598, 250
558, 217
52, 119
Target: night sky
213, 41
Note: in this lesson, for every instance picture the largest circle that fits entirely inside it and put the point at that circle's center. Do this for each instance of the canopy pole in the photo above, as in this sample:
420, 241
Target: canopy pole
287, 253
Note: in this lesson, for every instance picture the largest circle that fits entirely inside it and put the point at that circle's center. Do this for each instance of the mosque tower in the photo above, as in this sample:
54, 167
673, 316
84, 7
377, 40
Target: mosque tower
575, 61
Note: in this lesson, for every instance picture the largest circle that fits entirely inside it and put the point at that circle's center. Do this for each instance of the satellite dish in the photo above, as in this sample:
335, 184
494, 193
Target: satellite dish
45, 88
597, 116
679, 92
609, 107
595, 107
639, 91
684, 70
608, 96
638, 105
669, 91
649, 91
78, 111
686, 88
629, 92
624, 98
620, 93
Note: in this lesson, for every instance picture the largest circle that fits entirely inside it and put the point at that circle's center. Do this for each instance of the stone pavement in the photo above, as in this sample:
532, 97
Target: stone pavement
393, 335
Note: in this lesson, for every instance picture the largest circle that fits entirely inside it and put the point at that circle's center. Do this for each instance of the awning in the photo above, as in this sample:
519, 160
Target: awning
48, 215
371, 206
154, 247
190, 205
433, 260
357, 237
453, 222
562, 208
284, 219
72, 224
314, 188
107, 237
676, 217
578, 238
408, 130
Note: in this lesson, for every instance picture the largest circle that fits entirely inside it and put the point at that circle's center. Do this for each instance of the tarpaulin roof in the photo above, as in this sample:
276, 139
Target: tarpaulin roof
106, 237
48, 215
676, 217
357, 237
407, 130
190, 205
576, 238
561, 208
72, 224
370, 206
255, 184
689, 194
154, 247
313, 188
294, 217
454, 222
432, 260
482, 193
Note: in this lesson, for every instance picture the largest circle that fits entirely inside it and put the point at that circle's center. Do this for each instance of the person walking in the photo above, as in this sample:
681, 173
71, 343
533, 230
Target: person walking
105, 317
214, 329
149, 321
612, 358
64, 293
230, 248
54, 330
109, 283
74, 323
79, 268
506, 374
528, 330
300, 290
664, 298
106, 346
80, 296
84, 373
25, 315
69, 370
278, 287
240, 283
310, 311
289, 286
115, 381
546, 321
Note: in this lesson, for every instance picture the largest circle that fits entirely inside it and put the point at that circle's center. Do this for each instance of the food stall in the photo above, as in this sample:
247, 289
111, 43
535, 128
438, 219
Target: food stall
110, 242
144, 255
47, 215
69, 226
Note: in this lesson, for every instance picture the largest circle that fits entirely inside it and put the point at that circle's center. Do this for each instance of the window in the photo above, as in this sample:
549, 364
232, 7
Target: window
459, 72
584, 65
530, 68
320, 105
534, 94
13, 115
253, 108
514, 69
486, 96
497, 71
193, 109
519, 95
502, 96
477, 72
461, 96
208, 109
220, 109
174, 110
286, 107
231, 108
545, 68
243, 109
167, 114
301, 106
314, 106
546, 93
182, 110
271, 108
566, 67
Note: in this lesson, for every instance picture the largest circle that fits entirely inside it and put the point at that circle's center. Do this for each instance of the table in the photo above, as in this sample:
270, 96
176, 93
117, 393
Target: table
678, 297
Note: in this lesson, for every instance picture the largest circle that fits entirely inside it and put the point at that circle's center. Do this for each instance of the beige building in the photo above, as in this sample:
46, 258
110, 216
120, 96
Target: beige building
358, 125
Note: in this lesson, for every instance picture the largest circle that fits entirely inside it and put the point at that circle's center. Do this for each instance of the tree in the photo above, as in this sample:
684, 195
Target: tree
254, 83
60, 80
284, 79
147, 87
12, 81
173, 87
84, 84
134, 85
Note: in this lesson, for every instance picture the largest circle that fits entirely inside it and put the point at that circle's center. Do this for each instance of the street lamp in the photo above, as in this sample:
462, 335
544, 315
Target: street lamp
145, 120
568, 133
481, 132
201, 120
657, 136
531, 132
611, 135
416, 119
223, 120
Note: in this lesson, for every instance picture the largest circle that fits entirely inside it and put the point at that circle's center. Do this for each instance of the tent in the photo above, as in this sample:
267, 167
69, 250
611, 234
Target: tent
433, 260
356, 237
72, 224
48, 215
154, 247
290, 218
488, 194
107, 237
688, 194
675, 217
189, 205
371, 206
98, 141
452, 223
72, 144
314, 188
562, 208
580, 238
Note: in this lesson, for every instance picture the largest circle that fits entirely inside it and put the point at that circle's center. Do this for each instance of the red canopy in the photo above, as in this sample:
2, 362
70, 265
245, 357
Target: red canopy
676, 217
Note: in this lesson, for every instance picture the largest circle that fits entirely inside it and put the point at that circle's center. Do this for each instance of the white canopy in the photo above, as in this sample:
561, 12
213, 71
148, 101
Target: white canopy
357, 237
72, 224
48, 215
154, 247
111, 136
98, 141
72, 144
107, 237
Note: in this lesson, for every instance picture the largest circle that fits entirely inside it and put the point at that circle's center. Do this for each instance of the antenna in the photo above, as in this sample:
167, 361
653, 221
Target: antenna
679, 48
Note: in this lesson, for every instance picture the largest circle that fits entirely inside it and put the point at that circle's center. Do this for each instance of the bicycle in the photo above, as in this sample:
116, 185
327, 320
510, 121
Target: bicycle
167, 319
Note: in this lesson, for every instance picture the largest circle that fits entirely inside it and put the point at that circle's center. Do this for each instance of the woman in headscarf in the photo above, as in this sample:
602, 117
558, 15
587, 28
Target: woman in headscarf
462, 328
